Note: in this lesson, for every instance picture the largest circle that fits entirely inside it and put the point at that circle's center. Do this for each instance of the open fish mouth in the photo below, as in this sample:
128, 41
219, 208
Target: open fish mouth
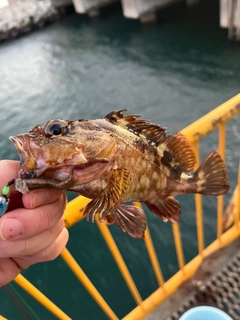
19, 146
27, 160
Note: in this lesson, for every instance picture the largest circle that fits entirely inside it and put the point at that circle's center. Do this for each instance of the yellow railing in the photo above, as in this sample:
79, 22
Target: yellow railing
215, 119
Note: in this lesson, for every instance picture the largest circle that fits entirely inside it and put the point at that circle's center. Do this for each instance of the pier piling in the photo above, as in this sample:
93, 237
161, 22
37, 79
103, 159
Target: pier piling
144, 10
90, 7
230, 18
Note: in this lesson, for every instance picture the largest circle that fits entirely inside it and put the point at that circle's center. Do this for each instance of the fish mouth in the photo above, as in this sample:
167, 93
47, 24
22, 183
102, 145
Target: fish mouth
28, 162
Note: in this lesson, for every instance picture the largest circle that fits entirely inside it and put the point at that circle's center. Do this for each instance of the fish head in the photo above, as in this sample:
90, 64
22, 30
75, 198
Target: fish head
54, 149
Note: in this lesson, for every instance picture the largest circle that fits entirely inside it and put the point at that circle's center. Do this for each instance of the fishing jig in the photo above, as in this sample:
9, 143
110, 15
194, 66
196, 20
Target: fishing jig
4, 201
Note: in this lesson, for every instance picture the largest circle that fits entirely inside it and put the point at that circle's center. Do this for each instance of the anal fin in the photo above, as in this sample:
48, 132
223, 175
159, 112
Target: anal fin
131, 220
168, 209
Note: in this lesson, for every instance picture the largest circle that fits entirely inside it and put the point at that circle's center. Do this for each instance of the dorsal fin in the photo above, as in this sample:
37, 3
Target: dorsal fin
118, 118
178, 151
153, 133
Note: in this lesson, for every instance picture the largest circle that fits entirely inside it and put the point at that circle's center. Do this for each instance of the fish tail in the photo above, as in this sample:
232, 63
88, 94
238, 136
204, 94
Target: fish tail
211, 177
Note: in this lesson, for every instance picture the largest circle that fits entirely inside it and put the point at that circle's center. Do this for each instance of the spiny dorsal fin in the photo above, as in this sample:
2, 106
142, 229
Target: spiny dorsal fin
178, 152
152, 133
117, 117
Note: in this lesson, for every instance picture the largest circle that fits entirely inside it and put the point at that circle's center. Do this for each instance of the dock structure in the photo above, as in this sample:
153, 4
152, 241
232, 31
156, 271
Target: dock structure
144, 10
20, 16
230, 18
91, 7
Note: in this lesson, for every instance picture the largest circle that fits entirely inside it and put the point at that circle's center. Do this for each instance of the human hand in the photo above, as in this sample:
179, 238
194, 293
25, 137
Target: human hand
33, 228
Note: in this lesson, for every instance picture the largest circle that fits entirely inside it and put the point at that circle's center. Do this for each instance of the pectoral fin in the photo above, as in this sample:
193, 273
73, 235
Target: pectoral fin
131, 220
111, 196
168, 209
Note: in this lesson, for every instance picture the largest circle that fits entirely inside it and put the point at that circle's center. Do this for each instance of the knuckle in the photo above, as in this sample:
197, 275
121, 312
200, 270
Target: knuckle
24, 247
50, 255
23, 262
44, 219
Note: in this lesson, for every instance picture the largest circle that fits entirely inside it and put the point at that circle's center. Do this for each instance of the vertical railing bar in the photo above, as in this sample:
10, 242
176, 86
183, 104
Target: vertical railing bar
238, 199
178, 246
152, 254
220, 199
198, 207
40, 297
119, 261
82, 277
153, 258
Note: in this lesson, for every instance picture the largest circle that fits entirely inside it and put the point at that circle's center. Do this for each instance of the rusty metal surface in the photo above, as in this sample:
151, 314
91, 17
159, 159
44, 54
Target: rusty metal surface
221, 290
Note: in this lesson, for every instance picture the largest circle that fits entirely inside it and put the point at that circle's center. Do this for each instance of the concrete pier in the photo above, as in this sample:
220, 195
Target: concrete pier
230, 18
144, 10
91, 7
21, 16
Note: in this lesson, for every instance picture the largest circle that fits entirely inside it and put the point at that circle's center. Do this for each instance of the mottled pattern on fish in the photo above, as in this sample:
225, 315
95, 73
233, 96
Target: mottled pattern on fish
114, 160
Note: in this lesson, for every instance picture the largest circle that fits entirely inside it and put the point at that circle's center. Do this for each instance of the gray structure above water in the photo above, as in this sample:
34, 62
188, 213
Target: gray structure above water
19, 16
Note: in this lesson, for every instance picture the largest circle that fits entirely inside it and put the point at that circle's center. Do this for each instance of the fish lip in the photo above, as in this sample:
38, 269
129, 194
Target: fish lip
28, 162
19, 145
17, 142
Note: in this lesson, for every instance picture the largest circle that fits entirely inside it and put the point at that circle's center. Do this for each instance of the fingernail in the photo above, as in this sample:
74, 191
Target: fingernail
11, 228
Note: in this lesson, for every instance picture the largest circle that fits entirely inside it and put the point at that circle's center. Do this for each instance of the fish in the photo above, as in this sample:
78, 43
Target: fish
116, 160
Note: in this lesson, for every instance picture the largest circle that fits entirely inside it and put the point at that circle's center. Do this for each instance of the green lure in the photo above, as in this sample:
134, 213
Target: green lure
4, 201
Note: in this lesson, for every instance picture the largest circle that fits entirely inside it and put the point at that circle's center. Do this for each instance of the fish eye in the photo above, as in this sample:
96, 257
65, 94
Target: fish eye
55, 128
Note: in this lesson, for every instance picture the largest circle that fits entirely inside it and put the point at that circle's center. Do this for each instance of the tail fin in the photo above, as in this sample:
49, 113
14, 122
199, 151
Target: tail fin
211, 176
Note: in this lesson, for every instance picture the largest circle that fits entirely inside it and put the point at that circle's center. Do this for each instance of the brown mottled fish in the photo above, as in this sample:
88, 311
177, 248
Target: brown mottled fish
114, 160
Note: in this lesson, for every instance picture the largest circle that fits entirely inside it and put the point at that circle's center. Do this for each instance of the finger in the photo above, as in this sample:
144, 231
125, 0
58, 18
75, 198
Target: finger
9, 269
24, 223
41, 197
9, 170
47, 254
31, 245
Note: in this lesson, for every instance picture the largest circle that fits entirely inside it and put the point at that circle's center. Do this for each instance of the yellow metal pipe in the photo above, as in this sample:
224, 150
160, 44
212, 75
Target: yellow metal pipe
178, 246
238, 198
213, 119
40, 297
231, 213
219, 217
119, 261
199, 221
74, 210
221, 146
77, 270
153, 258
157, 297
198, 207
152, 253
222, 139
